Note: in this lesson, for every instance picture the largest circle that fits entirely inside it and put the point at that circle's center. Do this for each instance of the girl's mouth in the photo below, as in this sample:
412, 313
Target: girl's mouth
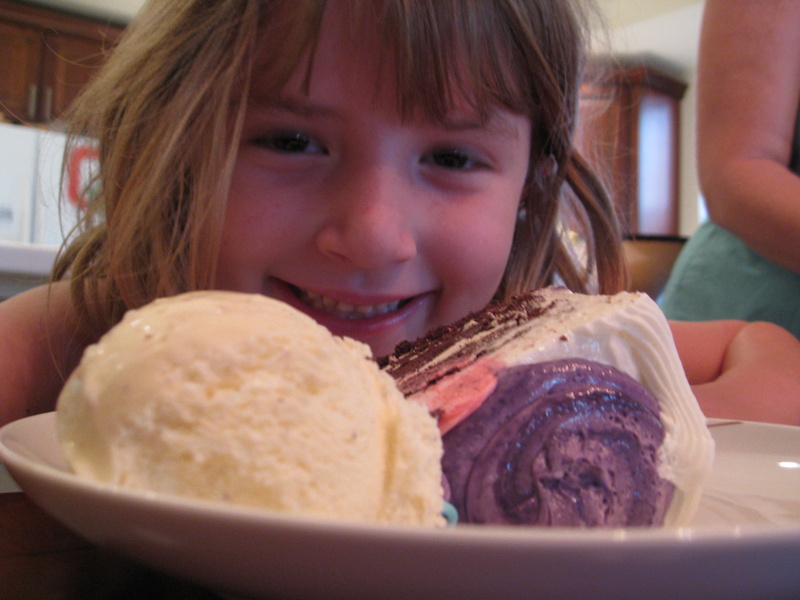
344, 310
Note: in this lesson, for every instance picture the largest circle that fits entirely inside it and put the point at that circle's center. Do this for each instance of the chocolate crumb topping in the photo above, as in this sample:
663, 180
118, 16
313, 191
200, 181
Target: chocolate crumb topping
412, 363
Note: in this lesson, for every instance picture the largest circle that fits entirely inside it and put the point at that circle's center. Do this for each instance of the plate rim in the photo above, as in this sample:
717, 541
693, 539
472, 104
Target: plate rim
470, 562
22, 467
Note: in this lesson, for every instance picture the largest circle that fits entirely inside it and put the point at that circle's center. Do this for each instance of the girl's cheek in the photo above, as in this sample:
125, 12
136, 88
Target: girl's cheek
480, 244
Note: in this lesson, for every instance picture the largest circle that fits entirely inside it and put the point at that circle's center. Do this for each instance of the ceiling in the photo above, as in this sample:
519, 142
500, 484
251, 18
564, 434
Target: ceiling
667, 29
622, 13
664, 28
118, 11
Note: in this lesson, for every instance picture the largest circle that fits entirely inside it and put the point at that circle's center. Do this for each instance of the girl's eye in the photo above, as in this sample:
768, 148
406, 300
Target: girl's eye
290, 143
452, 159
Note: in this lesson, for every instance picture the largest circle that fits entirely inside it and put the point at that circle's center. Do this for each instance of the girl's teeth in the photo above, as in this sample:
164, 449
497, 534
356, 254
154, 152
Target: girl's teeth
343, 310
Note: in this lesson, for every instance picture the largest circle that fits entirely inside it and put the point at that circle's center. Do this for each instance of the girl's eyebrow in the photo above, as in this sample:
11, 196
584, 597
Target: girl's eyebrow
293, 105
454, 122
494, 124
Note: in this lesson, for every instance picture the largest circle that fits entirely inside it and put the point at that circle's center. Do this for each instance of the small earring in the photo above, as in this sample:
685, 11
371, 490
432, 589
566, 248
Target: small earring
548, 166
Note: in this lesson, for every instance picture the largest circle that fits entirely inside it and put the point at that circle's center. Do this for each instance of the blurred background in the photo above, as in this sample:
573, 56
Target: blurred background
636, 124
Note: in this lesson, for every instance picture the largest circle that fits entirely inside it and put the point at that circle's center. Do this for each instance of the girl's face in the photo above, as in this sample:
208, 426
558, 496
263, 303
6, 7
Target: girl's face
379, 228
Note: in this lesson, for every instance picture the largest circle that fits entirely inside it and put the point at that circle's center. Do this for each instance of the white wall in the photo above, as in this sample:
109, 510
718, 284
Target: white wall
118, 11
669, 29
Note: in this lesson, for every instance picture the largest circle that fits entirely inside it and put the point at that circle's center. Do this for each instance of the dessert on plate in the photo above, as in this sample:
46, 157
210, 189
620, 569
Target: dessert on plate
562, 409
552, 409
241, 399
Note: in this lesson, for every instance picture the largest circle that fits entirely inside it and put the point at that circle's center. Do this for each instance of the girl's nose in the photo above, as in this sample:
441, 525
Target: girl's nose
369, 220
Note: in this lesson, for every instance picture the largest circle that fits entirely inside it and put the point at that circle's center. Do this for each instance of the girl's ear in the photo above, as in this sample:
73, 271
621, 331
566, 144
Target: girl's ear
541, 177
542, 182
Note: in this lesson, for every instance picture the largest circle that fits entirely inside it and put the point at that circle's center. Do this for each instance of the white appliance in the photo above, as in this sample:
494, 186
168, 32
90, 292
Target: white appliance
18, 154
42, 189
61, 187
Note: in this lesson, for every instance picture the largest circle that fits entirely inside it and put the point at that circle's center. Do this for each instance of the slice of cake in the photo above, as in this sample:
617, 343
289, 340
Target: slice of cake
562, 409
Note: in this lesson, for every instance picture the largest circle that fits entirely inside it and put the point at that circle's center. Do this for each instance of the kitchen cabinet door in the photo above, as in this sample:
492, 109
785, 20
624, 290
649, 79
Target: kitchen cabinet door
629, 131
46, 58
69, 62
20, 64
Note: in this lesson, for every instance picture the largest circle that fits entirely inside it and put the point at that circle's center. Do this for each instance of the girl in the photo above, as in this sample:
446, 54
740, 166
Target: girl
385, 166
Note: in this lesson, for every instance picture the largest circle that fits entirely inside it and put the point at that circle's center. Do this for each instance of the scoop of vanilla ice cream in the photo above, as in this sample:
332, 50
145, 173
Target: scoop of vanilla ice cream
242, 399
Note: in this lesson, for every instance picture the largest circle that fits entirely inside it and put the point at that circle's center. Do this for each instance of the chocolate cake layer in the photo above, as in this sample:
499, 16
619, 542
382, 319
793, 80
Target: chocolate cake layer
453, 346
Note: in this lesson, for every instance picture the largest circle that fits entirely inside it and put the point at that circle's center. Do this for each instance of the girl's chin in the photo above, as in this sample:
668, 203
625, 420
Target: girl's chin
381, 347
380, 332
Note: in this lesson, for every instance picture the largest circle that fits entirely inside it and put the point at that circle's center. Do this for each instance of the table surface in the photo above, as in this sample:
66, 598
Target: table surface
42, 560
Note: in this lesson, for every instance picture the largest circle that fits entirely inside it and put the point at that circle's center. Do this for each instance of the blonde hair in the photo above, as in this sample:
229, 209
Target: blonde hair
167, 110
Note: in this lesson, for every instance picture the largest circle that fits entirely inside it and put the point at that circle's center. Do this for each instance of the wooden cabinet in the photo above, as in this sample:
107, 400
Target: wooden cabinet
46, 58
20, 58
629, 130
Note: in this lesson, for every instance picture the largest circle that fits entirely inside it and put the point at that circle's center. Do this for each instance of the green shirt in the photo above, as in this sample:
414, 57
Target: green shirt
717, 276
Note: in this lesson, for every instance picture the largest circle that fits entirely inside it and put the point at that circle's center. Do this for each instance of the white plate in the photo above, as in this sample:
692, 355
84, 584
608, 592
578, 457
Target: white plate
744, 542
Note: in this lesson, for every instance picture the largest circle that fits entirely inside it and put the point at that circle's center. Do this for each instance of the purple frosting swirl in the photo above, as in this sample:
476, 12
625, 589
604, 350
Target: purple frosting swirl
564, 443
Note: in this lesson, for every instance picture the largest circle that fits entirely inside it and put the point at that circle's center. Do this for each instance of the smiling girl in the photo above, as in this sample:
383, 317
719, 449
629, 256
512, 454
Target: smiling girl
385, 166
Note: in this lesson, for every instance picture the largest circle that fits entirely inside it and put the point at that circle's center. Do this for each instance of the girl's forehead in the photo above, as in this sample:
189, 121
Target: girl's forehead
308, 48
422, 72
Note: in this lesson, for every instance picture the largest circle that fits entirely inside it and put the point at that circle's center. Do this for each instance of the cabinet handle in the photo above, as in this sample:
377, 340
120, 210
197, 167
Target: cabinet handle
33, 93
48, 103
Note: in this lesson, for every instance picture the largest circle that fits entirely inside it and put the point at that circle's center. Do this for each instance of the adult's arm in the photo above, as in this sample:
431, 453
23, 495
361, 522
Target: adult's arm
738, 370
748, 91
